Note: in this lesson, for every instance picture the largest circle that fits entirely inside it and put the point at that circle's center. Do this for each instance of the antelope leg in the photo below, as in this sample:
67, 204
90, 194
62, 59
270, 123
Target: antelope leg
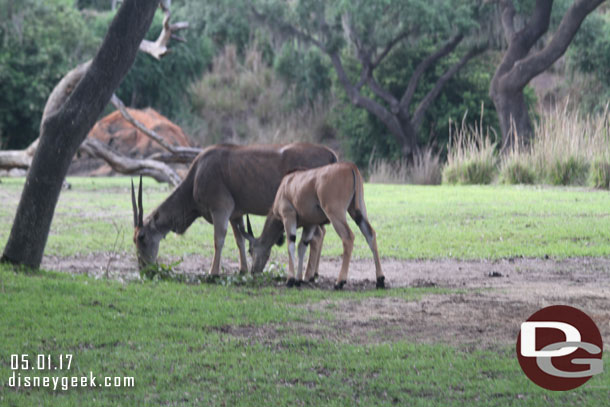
303, 243
241, 244
315, 252
221, 223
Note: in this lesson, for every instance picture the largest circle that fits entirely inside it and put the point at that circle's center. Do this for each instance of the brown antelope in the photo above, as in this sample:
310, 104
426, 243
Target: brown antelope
223, 183
308, 199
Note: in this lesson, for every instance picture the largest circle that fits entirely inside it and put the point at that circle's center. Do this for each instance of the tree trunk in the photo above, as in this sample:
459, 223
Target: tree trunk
63, 131
409, 146
513, 115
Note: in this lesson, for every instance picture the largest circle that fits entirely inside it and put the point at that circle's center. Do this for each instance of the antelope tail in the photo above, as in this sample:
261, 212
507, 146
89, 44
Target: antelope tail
359, 208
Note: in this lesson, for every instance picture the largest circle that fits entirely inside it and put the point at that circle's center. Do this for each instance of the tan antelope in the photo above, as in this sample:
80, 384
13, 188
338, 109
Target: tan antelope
308, 199
223, 183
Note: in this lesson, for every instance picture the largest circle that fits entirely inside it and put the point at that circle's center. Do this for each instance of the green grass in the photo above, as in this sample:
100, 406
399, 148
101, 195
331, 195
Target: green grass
412, 222
170, 338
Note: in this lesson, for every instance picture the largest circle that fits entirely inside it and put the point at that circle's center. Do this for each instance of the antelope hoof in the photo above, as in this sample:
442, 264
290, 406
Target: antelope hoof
339, 285
298, 283
291, 282
380, 282
313, 279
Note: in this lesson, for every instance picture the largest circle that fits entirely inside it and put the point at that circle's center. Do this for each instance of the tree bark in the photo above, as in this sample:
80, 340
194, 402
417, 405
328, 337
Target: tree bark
63, 131
515, 123
519, 66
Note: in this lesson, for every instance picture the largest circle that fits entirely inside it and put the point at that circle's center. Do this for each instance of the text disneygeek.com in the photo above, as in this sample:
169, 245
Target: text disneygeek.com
22, 365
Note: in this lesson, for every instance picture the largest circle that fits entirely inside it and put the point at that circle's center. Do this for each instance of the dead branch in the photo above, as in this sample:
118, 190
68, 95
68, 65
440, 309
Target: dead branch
126, 165
159, 47
10, 159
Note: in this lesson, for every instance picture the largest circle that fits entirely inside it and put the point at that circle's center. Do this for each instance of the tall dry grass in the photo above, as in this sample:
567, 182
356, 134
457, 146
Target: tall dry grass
471, 155
568, 149
424, 170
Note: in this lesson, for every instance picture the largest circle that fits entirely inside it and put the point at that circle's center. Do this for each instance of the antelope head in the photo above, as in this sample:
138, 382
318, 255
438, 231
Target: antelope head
146, 236
260, 249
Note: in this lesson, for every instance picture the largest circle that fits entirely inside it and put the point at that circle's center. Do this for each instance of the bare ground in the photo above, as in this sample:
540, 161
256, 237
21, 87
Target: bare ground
484, 306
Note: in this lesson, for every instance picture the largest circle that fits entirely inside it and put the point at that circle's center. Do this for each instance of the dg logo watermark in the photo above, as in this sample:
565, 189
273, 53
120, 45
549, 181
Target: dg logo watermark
560, 348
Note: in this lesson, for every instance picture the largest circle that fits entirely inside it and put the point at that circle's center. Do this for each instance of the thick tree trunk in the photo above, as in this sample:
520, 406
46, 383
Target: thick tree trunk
409, 146
515, 122
63, 131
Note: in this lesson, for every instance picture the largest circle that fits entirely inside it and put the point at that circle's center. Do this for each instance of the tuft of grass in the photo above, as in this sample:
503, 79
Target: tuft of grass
388, 172
599, 174
424, 170
161, 272
517, 168
517, 172
567, 149
572, 170
471, 155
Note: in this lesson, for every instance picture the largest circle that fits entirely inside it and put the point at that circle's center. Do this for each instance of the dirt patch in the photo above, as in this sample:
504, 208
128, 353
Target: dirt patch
484, 309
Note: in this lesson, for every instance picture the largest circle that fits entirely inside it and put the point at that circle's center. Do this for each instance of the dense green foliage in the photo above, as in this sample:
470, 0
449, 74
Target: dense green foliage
307, 72
39, 43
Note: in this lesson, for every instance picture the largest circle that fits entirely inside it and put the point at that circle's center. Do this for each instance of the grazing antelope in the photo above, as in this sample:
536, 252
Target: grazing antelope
223, 183
308, 199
